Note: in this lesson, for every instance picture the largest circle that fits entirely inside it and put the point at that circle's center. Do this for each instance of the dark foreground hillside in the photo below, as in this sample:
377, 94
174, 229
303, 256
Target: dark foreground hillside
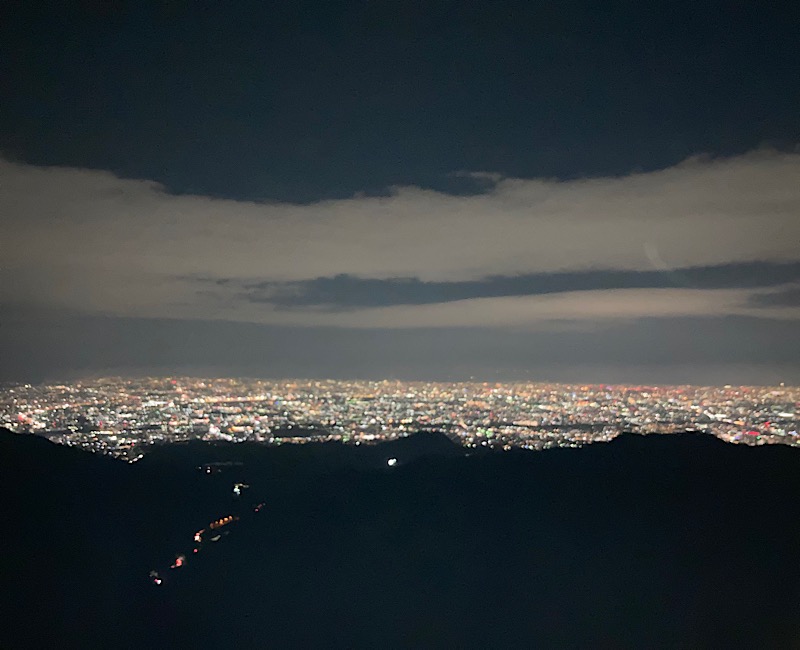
663, 541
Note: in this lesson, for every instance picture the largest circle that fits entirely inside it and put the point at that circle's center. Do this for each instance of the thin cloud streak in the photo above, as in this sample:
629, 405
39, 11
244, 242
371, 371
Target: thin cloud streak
349, 292
524, 311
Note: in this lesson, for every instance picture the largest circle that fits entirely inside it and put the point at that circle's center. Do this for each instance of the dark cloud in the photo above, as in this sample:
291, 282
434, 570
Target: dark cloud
787, 297
302, 101
346, 291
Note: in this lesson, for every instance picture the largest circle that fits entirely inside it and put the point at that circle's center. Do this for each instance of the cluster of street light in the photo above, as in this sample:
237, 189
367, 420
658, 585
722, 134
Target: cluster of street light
125, 417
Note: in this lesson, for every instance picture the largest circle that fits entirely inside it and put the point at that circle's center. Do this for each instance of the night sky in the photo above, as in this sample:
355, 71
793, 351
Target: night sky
600, 192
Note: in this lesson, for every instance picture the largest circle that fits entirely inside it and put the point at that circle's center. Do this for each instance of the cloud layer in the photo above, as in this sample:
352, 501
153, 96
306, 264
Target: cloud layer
348, 292
708, 236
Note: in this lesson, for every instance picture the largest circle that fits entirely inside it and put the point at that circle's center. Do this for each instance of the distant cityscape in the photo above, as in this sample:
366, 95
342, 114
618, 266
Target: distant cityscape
126, 417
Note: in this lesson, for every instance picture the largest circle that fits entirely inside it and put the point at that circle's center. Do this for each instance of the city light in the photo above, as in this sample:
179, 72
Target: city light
127, 417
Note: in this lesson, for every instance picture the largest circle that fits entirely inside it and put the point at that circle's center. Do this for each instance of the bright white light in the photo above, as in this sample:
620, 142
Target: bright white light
391, 462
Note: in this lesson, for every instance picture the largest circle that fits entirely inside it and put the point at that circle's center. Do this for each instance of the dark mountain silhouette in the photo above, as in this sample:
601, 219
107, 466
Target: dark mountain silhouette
657, 541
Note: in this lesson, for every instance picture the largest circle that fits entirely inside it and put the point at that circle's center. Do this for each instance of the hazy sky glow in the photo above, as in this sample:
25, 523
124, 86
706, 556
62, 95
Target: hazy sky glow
687, 222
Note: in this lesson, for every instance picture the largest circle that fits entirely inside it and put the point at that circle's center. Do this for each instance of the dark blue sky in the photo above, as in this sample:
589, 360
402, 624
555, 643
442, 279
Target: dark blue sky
311, 180
306, 100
